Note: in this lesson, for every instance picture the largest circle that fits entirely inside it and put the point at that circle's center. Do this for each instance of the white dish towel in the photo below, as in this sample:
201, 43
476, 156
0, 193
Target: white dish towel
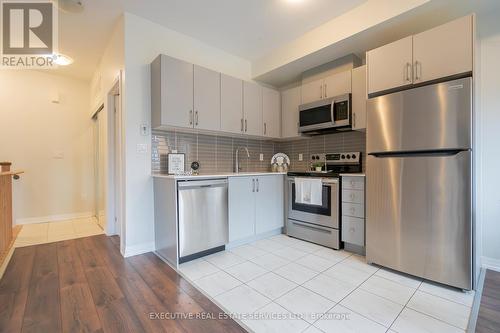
308, 191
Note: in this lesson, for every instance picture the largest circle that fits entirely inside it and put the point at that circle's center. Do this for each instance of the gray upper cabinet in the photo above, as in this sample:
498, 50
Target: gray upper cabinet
252, 109
271, 112
207, 99
359, 98
231, 104
290, 101
171, 92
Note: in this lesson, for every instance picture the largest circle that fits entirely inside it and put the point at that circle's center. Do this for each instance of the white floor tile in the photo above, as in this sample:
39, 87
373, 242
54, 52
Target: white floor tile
290, 253
60, 237
270, 261
285, 240
248, 251
296, 273
272, 285
274, 319
217, 283
305, 303
343, 320
224, 259
246, 271
452, 294
58, 228
307, 247
410, 321
391, 290
359, 262
372, 307
315, 263
242, 300
348, 273
332, 255
401, 278
196, 269
268, 245
330, 288
312, 329
453, 313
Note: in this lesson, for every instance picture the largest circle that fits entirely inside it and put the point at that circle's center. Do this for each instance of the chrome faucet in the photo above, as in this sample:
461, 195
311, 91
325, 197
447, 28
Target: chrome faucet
237, 160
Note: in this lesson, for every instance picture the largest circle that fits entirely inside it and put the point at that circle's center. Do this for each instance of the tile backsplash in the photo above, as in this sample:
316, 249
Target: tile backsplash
216, 153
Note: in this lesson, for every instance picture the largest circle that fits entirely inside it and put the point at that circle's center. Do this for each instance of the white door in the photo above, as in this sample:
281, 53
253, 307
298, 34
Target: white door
177, 92
390, 66
290, 101
359, 98
312, 91
206, 99
252, 108
241, 201
337, 84
443, 51
231, 104
269, 203
271, 112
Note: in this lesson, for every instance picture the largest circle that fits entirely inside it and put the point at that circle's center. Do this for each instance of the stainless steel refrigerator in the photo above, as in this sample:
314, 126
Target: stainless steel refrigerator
419, 182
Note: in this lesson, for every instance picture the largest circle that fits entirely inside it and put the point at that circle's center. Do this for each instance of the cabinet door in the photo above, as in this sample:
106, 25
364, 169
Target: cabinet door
231, 104
359, 98
241, 201
177, 92
312, 91
389, 66
271, 112
269, 203
337, 84
252, 108
206, 99
443, 51
290, 101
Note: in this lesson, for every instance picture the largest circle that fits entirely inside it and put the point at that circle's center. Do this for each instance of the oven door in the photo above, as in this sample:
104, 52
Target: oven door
326, 215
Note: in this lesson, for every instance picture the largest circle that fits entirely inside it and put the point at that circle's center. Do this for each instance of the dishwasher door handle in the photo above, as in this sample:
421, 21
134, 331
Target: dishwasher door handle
190, 184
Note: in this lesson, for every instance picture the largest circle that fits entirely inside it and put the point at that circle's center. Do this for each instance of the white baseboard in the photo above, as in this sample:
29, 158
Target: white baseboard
137, 249
52, 218
490, 263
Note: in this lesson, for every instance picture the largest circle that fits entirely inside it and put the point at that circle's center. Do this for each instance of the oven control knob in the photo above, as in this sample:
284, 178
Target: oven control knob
348, 157
342, 157
317, 157
353, 156
313, 157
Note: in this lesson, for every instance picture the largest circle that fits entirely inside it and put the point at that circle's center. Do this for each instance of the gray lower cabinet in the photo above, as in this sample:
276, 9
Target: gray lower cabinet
353, 213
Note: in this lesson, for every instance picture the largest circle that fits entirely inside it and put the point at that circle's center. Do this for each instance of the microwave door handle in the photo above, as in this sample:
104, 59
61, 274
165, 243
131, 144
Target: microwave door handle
332, 110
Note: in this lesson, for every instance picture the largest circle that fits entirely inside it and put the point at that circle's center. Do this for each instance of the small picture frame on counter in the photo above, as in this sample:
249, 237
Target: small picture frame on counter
175, 163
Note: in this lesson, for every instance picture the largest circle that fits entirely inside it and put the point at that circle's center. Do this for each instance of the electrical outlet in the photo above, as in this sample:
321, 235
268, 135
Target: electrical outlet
301, 157
142, 148
261, 157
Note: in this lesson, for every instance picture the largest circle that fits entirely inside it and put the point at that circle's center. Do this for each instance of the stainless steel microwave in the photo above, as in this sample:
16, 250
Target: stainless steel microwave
327, 114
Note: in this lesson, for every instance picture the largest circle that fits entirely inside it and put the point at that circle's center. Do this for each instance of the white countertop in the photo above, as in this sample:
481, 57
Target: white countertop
352, 175
217, 175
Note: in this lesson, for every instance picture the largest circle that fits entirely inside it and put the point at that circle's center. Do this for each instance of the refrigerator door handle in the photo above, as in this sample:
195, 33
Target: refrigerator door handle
435, 152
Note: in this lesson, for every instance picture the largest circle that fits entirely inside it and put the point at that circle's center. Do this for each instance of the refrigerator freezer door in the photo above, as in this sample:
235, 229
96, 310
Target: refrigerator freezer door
432, 117
419, 216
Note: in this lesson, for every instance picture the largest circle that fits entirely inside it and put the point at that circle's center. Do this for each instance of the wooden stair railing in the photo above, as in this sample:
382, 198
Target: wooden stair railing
6, 233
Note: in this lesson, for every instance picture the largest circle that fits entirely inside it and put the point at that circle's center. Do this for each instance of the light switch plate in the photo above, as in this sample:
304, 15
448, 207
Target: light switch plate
261, 156
144, 130
301, 157
142, 148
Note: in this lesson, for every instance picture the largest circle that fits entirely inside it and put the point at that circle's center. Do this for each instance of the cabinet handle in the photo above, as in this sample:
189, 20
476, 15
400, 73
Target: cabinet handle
351, 230
196, 118
408, 72
417, 77
354, 120
321, 91
253, 185
325, 92
257, 181
246, 127
352, 195
265, 128
190, 117
242, 124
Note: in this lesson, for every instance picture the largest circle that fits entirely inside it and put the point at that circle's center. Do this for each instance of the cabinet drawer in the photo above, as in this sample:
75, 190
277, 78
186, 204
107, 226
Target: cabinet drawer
353, 230
353, 196
353, 209
353, 183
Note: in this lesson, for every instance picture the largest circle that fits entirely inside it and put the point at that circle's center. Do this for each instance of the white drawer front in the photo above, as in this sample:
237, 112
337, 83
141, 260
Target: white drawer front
353, 183
353, 230
353, 196
353, 209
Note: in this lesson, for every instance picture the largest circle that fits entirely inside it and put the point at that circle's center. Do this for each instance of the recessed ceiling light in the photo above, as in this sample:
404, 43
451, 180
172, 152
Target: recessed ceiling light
71, 6
294, 1
62, 60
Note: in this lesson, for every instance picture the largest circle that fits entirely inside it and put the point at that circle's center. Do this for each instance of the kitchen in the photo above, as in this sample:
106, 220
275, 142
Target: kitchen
262, 194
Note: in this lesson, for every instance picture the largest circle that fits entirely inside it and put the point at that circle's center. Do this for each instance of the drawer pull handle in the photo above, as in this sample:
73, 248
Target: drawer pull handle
352, 195
352, 209
351, 230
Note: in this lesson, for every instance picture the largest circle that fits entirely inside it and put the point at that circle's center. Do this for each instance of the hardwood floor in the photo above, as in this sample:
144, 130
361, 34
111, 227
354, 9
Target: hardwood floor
488, 320
85, 285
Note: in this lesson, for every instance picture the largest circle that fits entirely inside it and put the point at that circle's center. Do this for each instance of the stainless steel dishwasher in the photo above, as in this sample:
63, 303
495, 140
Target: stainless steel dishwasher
203, 217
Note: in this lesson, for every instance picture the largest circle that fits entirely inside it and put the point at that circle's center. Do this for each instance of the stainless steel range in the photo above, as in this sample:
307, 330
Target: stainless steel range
321, 223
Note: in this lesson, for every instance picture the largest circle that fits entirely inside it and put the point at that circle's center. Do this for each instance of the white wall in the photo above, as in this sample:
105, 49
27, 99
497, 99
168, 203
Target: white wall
144, 40
33, 130
488, 138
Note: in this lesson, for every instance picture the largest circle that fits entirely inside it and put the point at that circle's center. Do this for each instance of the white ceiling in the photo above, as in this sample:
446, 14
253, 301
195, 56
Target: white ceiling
246, 28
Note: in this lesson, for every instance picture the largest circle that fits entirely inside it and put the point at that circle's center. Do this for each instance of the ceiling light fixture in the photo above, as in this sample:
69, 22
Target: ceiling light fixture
294, 1
62, 60
71, 6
